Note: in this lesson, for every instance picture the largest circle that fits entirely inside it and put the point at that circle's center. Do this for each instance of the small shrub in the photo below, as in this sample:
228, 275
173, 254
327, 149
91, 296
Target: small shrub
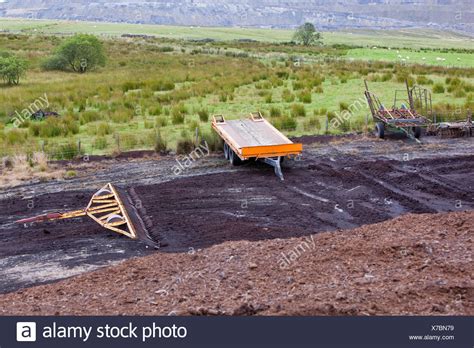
184, 146
128, 141
438, 88
305, 97
158, 110
203, 115
103, 128
16, 136
121, 116
459, 93
161, 146
343, 106
148, 124
298, 110
161, 122
214, 142
386, 77
68, 151
275, 112
297, 85
100, 143
131, 85
312, 124
89, 116
423, 80
285, 123
50, 129
70, 174
287, 96
319, 90
177, 118
268, 98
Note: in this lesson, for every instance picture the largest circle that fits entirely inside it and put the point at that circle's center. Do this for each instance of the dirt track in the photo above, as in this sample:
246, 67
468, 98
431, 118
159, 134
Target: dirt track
336, 185
413, 265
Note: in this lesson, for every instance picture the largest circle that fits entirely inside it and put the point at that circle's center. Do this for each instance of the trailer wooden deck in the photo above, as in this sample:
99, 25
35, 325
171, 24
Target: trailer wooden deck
254, 138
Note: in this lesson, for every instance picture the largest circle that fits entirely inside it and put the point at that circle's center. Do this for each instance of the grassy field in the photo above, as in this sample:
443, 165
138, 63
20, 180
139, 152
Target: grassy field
408, 38
167, 88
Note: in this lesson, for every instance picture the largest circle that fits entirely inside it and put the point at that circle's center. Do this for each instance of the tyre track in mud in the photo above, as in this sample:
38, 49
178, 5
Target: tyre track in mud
214, 203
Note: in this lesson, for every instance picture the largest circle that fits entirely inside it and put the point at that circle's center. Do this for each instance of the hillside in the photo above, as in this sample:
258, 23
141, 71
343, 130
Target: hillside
326, 14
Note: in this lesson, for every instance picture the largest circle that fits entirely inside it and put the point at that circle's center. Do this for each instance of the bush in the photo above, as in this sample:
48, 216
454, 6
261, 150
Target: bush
184, 146
298, 110
50, 128
214, 141
54, 63
305, 97
121, 116
89, 116
177, 118
297, 85
287, 96
423, 80
12, 69
148, 124
161, 146
70, 174
103, 128
275, 112
128, 141
343, 106
163, 86
312, 124
459, 93
131, 85
319, 90
438, 88
100, 143
80, 53
203, 115
68, 151
386, 77
158, 110
285, 123
16, 136
268, 98
161, 122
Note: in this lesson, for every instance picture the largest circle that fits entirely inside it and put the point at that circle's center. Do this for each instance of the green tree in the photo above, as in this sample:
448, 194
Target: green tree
12, 69
306, 34
80, 53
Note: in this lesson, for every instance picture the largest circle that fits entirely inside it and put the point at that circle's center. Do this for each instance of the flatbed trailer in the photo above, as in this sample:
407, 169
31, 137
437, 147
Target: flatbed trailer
254, 139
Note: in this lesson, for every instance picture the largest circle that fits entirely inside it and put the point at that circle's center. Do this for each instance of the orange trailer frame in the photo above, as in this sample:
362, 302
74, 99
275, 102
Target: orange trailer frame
254, 138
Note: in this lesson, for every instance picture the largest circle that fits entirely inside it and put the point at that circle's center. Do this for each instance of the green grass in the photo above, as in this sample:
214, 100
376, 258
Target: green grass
408, 38
445, 59
145, 89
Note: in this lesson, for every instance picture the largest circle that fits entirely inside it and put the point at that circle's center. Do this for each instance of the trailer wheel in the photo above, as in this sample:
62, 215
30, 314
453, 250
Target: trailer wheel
226, 151
233, 158
417, 132
380, 130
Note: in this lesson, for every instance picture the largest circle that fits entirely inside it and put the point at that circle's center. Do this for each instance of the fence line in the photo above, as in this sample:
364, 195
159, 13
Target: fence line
76, 148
